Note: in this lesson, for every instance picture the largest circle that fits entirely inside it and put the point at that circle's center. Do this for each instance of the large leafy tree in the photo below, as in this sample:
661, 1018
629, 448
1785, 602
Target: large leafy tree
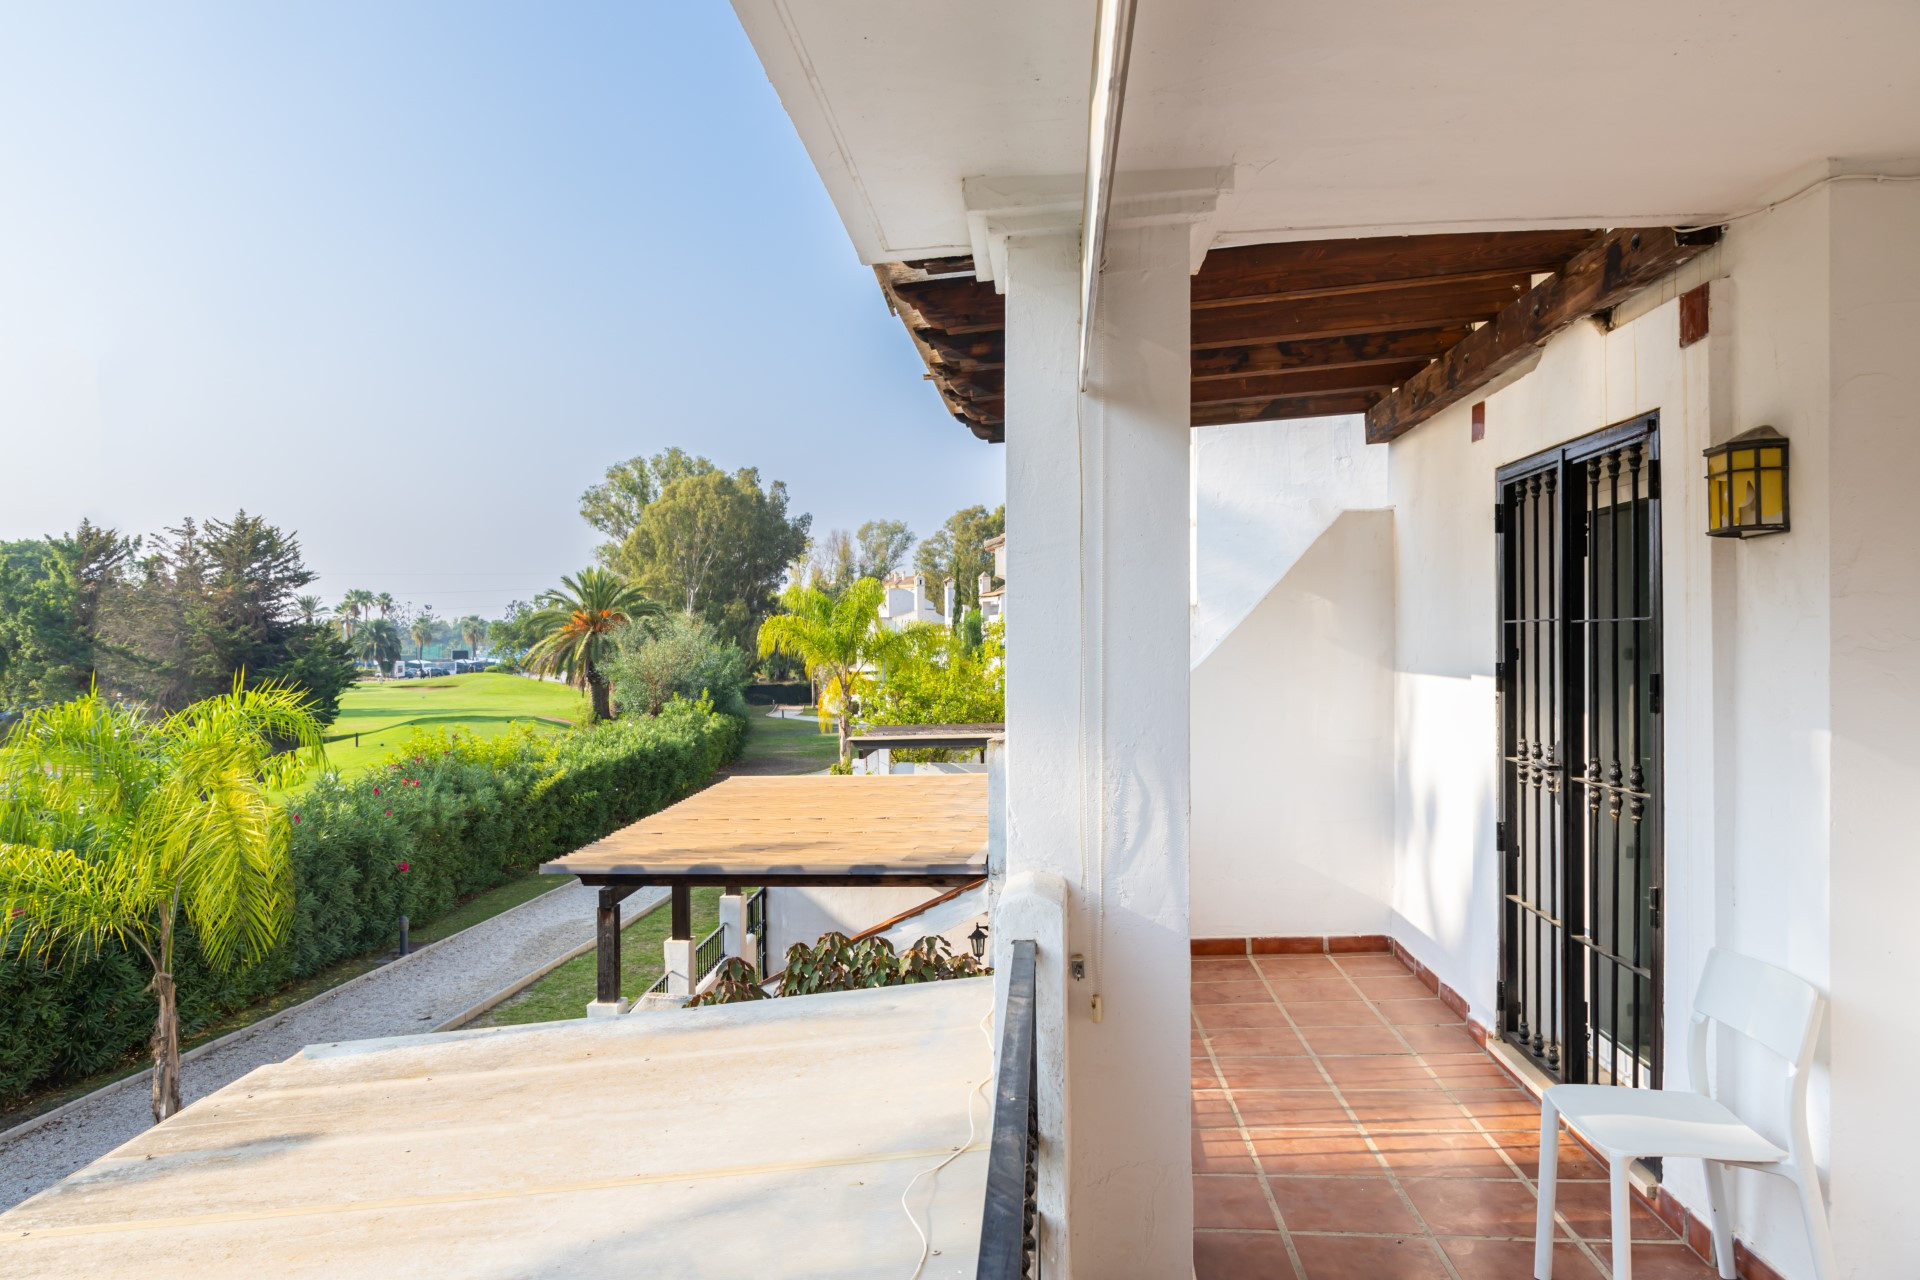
511, 634
880, 548
942, 676
52, 593
841, 641
574, 629
715, 545
955, 551
115, 827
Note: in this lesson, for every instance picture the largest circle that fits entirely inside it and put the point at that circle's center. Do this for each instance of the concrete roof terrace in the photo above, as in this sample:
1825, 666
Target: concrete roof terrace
770, 1138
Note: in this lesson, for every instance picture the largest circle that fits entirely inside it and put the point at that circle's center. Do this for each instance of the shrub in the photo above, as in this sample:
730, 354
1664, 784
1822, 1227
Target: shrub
677, 655
461, 814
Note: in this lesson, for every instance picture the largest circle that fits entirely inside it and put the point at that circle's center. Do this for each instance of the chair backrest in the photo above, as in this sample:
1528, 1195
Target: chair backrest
1763, 1002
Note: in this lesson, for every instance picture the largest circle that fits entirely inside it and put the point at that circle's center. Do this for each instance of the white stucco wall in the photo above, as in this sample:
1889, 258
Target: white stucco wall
1292, 749
802, 915
1262, 492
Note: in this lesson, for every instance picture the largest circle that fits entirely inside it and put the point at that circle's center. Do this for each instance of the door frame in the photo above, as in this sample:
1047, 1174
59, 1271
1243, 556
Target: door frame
1574, 1020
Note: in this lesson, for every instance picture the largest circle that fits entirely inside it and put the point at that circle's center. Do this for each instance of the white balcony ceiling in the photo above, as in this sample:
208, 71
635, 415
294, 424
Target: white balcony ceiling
1349, 118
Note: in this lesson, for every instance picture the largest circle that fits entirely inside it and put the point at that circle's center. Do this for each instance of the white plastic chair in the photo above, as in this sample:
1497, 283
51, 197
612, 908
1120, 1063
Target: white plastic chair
1769, 1006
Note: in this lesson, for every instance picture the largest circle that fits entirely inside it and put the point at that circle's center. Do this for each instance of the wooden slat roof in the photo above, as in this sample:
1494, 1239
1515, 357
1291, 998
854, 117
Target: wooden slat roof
888, 737
926, 829
1318, 327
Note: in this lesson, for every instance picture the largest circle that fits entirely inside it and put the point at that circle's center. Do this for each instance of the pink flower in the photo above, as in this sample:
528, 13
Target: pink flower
403, 866
389, 813
296, 817
376, 791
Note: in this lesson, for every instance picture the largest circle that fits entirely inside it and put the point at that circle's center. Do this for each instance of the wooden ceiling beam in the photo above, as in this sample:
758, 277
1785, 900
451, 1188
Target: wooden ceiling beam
1217, 415
1349, 351
1230, 276
1599, 276
1305, 382
958, 304
1419, 307
966, 352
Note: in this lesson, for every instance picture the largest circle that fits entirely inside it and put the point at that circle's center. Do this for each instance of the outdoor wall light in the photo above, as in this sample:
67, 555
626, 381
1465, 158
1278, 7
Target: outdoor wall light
977, 941
1747, 485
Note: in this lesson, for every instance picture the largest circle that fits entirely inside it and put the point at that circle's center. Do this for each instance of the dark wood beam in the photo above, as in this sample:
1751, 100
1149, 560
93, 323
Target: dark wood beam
1419, 307
971, 351
1304, 268
1352, 350
1305, 382
1600, 276
957, 304
606, 934
1215, 415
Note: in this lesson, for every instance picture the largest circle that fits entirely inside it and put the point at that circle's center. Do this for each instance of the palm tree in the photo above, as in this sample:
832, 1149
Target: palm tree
841, 641
384, 603
352, 606
574, 627
422, 632
473, 629
309, 608
112, 824
380, 644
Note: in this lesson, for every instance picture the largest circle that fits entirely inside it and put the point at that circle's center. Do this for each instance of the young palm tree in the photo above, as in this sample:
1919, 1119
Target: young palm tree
380, 644
113, 824
422, 632
841, 641
309, 608
574, 627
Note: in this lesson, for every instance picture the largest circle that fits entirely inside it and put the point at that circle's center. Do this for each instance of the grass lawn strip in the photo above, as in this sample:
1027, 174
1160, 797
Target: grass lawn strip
382, 713
564, 993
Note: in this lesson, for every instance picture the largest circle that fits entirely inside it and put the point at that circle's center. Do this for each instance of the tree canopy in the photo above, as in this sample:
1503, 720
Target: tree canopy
955, 551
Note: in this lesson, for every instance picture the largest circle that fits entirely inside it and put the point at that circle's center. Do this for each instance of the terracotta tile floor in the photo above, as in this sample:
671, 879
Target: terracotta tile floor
1347, 1127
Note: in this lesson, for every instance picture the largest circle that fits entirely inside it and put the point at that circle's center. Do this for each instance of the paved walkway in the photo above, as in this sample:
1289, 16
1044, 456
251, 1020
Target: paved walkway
416, 994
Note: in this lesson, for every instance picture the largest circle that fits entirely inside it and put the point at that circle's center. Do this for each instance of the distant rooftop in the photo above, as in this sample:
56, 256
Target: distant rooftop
762, 1139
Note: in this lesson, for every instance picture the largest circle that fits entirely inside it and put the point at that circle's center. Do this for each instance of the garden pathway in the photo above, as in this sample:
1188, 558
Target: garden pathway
422, 992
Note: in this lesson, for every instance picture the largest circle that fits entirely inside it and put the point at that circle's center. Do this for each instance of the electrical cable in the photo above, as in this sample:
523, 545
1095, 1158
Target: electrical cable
1817, 183
926, 1242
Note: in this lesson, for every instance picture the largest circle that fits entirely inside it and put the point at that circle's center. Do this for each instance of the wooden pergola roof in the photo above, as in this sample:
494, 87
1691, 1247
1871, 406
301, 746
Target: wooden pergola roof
1397, 327
907, 829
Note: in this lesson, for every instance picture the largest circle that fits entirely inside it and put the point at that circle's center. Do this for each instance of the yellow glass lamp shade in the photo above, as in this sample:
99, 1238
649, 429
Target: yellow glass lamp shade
1747, 485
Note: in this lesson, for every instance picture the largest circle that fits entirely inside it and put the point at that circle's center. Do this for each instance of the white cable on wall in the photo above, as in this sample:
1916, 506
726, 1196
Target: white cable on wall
1815, 185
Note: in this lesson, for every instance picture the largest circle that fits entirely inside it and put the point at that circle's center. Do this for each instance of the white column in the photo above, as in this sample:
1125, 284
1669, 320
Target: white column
733, 919
679, 965
1097, 718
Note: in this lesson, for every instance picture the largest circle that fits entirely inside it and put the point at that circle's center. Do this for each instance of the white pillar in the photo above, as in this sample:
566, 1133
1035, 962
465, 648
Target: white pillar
733, 920
1096, 520
679, 965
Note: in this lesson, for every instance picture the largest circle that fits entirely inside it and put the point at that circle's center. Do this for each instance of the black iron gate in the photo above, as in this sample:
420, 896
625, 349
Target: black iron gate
1579, 695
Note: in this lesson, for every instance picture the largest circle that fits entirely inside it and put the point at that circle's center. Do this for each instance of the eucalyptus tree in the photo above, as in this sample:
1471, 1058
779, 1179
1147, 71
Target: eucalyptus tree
839, 638
574, 626
116, 826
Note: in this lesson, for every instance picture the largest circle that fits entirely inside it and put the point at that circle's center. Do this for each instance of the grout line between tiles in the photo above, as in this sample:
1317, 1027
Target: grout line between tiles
1246, 1142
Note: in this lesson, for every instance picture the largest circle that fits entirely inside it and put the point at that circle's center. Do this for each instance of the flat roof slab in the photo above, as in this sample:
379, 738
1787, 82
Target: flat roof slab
767, 1139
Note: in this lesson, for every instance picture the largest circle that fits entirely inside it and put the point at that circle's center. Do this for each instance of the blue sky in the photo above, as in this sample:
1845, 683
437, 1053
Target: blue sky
406, 278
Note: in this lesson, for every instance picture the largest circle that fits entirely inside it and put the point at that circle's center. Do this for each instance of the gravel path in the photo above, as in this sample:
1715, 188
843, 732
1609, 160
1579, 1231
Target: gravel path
408, 996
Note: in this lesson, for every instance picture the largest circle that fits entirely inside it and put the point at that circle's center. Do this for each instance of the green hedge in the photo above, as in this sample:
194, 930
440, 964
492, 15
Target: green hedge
462, 814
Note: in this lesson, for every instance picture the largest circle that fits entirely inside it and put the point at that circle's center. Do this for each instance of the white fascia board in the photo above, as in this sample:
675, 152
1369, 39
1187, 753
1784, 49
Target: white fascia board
1053, 205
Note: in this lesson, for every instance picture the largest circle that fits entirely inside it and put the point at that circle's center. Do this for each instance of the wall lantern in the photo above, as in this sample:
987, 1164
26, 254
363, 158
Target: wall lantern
1747, 485
977, 941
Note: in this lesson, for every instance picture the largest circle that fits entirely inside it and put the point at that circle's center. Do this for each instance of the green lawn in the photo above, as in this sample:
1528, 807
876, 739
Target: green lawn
381, 713
785, 746
564, 993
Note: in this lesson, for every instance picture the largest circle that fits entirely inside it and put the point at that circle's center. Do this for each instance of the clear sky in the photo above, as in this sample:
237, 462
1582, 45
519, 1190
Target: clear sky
405, 278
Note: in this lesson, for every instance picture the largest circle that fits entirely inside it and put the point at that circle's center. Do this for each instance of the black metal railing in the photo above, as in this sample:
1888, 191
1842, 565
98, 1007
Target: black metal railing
1009, 1225
757, 926
708, 955
659, 987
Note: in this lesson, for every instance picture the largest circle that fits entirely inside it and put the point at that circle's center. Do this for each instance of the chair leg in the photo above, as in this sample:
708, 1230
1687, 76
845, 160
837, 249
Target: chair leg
1622, 1222
1549, 1184
1720, 1218
1813, 1206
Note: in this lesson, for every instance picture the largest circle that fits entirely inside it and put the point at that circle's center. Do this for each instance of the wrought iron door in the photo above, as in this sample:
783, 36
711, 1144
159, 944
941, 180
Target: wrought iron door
1579, 696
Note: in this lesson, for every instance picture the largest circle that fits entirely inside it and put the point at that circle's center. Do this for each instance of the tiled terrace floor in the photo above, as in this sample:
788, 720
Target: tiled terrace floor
1347, 1127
